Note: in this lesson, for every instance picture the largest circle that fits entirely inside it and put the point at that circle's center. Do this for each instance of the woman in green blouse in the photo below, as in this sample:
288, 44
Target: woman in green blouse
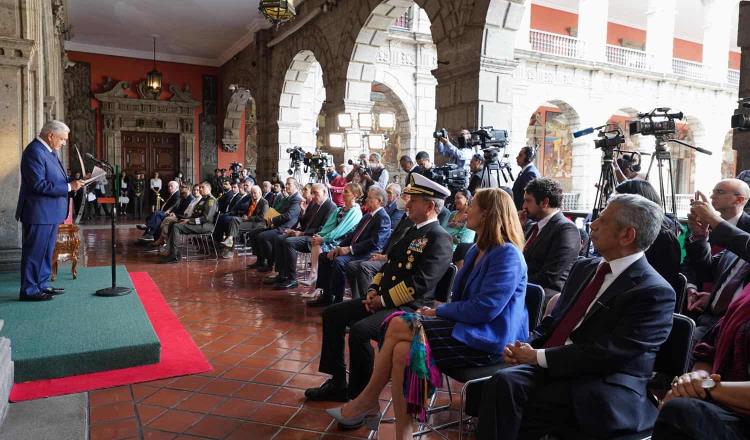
339, 223
457, 220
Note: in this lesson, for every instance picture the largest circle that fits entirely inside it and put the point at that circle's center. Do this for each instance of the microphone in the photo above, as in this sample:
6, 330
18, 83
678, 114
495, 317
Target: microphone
97, 161
583, 132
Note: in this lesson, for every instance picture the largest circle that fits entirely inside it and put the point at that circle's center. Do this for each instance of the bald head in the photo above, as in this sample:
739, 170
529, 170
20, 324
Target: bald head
729, 197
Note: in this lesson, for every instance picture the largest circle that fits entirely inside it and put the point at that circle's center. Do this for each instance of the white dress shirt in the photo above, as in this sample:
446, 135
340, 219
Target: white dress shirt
617, 267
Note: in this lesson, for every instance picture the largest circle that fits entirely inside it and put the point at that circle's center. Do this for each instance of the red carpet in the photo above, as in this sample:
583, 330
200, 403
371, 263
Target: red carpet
179, 354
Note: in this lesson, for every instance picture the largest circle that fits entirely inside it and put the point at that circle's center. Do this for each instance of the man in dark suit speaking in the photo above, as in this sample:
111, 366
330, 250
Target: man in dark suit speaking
584, 372
42, 206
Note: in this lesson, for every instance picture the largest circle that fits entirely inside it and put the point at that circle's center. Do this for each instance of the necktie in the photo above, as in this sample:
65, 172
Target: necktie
574, 314
362, 225
532, 236
250, 209
726, 294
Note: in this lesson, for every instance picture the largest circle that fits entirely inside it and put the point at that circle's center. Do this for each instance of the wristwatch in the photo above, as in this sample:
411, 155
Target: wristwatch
708, 384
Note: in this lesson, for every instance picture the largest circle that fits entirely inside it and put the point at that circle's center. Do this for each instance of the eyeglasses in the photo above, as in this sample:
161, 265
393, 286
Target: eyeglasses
721, 192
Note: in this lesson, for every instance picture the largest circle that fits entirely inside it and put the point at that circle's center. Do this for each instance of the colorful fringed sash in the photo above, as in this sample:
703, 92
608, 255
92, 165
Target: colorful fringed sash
421, 376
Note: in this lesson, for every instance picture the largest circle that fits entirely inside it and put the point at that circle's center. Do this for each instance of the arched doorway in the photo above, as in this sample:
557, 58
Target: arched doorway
300, 105
551, 129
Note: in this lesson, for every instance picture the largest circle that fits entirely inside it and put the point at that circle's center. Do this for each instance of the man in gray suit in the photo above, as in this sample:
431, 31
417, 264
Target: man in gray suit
553, 241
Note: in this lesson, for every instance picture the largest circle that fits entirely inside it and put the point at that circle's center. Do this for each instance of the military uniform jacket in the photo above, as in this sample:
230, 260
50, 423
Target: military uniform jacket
415, 265
205, 211
139, 186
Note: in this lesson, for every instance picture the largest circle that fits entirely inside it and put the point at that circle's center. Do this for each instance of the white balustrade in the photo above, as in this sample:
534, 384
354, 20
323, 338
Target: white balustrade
733, 77
555, 44
623, 56
688, 69
403, 22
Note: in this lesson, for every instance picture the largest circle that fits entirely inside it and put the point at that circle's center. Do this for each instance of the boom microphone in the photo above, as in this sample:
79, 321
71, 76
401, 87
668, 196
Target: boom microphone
101, 163
583, 132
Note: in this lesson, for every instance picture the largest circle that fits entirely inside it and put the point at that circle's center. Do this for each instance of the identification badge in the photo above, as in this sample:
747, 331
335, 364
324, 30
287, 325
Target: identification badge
418, 245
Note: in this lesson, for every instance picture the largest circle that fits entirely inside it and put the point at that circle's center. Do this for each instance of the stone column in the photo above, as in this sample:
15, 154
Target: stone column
592, 28
524, 27
741, 139
660, 22
18, 121
715, 36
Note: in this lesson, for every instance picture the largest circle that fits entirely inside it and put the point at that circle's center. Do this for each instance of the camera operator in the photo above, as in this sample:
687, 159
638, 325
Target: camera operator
361, 163
336, 183
625, 169
529, 172
476, 165
457, 155
424, 162
374, 174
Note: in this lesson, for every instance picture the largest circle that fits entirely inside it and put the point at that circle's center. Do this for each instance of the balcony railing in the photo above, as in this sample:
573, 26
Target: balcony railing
733, 77
688, 69
556, 44
404, 22
622, 56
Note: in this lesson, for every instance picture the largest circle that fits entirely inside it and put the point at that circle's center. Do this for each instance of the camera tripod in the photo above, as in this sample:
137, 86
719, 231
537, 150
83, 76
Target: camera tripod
604, 188
661, 156
491, 172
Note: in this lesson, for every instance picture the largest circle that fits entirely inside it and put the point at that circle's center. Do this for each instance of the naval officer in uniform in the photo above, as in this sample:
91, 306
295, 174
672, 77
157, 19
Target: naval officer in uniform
406, 282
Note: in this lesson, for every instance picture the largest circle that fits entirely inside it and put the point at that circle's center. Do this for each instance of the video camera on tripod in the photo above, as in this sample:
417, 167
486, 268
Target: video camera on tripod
658, 122
451, 177
296, 156
317, 163
494, 144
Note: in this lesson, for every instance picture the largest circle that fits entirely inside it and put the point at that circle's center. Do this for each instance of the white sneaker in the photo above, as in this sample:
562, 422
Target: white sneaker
312, 293
229, 242
163, 251
310, 282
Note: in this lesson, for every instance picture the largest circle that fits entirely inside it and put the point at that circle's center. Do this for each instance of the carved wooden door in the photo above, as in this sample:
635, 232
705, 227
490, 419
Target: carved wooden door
149, 153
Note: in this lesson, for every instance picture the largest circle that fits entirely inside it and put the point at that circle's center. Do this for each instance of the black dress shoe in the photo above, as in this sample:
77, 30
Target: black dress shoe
265, 269
170, 259
322, 301
41, 296
286, 284
54, 290
330, 391
274, 280
256, 265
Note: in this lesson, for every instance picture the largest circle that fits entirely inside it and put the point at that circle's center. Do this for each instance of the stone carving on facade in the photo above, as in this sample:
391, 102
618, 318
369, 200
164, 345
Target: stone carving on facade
144, 92
207, 121
78, 112
232, 120
173, 115
58, 14
251, 137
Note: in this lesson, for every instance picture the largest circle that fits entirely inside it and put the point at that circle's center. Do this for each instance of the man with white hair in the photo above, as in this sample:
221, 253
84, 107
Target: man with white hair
42, 206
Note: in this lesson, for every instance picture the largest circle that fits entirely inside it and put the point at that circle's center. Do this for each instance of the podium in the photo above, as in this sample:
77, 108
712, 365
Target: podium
114, 290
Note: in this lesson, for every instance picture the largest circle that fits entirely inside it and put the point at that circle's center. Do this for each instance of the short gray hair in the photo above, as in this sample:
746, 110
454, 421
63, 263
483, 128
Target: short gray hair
641, 214
321, 188
439, 203
54, 127
379, 193
395, 187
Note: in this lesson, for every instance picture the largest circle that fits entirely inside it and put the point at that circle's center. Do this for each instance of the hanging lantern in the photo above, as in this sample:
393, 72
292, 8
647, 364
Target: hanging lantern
277, 11
153, 78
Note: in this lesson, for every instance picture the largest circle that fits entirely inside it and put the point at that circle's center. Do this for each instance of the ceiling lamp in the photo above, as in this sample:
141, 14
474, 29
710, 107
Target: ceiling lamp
153, 78
277, 11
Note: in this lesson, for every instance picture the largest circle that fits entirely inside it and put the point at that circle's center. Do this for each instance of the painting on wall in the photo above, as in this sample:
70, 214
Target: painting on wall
557, 154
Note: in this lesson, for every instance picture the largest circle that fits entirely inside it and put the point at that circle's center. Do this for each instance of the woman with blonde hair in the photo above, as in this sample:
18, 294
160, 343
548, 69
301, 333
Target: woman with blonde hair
339, 223
486, 313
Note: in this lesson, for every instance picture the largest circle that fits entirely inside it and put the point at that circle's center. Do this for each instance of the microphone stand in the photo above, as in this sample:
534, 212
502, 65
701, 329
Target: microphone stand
114, 290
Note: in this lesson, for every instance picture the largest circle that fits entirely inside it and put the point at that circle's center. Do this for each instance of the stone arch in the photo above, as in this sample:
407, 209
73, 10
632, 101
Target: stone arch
400, 141
552, 132
238, 102
728, 157
300, 101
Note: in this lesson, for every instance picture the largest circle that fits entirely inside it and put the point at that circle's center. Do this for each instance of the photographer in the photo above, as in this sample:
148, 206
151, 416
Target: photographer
424, 162
360, 164
374, 174
336, 183
458, 155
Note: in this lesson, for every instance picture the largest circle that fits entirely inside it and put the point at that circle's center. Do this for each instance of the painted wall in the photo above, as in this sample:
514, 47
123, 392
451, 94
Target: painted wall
556, 21
134, 70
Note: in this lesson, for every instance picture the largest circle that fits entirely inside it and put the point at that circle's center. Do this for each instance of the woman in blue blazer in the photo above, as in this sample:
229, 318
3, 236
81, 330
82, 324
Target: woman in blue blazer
487, 312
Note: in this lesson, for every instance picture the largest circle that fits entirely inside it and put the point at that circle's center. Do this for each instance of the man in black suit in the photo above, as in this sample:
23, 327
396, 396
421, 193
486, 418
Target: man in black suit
297, 240
728, 271
407, 165
393, 191
237, 207
202, 221
369, 236
153, 221
229, 193
584, 372
525, 160
406, 282
359, 273
553, 241
262, 240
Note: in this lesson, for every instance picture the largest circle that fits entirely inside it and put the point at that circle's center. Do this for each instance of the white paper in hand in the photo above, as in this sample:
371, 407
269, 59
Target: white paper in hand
97, 174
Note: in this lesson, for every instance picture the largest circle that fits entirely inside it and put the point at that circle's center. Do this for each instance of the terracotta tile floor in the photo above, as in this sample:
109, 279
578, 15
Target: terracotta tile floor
263, 344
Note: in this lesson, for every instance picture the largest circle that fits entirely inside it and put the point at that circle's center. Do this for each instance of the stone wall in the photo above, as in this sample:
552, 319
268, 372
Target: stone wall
473, 40
31, 66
